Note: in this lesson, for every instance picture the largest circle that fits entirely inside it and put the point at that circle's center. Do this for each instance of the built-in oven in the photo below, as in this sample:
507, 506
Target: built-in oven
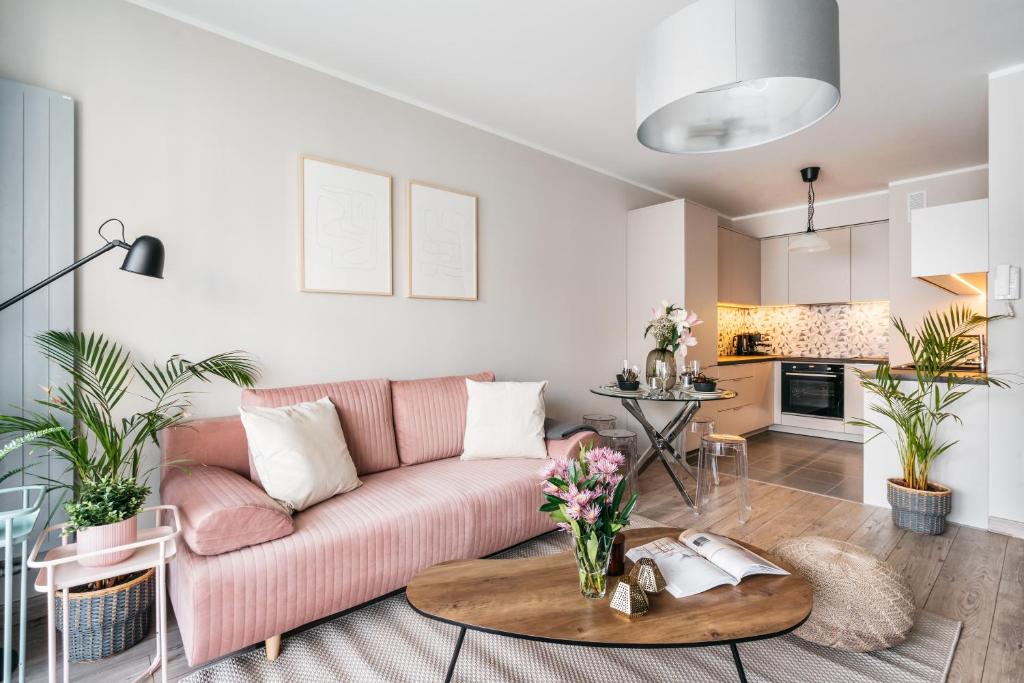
812, 389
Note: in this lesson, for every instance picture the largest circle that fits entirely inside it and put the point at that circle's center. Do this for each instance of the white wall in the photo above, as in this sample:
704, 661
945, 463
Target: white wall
1006, 337
195, 139
964, 467
909, 297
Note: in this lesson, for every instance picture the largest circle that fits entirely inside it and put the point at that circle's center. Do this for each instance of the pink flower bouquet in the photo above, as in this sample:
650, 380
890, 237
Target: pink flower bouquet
584, 496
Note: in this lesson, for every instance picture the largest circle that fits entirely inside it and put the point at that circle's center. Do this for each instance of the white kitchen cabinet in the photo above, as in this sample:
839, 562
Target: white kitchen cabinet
751, 410
853, 396
951, 238
869, 262
739, 268
822, 277
775, 271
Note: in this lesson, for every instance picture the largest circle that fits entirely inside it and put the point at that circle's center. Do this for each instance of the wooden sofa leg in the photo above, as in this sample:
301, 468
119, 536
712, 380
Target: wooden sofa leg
273, 647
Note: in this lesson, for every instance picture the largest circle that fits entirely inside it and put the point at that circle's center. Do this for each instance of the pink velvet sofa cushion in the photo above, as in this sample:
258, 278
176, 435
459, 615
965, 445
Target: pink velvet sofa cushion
222, 510
356, 547
430, 416
364, 407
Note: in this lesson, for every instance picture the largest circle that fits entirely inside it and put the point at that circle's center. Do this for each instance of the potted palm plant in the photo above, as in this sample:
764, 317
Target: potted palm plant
919, 406
102, 445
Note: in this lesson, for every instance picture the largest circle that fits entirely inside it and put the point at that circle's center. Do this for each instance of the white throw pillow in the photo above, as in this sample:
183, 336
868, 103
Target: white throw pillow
504, 420
299, 452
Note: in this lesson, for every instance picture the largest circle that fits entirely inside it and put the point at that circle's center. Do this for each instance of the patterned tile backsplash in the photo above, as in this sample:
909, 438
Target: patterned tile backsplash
833, 330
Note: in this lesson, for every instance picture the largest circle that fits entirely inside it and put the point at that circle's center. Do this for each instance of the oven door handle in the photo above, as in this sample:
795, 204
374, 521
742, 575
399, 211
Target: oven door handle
810, 374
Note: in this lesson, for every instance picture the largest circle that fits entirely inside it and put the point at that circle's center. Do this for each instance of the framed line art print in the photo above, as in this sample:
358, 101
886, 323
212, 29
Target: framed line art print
442, 243
345, 228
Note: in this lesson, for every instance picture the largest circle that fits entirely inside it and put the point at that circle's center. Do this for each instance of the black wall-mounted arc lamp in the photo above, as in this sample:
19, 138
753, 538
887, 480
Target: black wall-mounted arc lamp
145, 257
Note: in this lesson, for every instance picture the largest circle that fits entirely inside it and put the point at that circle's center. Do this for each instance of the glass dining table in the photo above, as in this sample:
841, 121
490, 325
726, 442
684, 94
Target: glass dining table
661, 439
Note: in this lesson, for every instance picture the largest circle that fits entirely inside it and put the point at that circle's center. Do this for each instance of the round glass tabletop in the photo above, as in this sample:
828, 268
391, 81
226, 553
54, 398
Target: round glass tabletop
645, 394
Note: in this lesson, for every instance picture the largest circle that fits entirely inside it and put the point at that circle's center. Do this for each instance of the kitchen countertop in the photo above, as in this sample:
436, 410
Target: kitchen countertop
738, 360
959, 376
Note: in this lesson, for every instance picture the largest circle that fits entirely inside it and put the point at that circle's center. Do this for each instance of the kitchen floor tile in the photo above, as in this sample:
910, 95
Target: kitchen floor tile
818, 465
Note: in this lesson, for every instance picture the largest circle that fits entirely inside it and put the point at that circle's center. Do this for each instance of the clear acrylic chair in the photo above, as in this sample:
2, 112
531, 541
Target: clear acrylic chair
713, 447
700, 426
599, 421
624, 441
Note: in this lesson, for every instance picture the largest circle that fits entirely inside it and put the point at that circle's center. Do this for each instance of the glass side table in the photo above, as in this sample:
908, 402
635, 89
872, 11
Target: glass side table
17, 525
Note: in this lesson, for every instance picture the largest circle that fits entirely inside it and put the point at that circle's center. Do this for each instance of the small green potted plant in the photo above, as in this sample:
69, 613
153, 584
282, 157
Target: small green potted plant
102, 445
918, 407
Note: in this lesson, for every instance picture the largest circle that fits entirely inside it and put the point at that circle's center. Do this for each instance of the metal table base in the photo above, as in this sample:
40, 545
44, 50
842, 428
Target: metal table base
661, 442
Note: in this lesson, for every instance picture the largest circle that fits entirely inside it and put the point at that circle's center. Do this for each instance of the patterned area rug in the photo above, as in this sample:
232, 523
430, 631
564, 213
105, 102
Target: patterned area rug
388, 641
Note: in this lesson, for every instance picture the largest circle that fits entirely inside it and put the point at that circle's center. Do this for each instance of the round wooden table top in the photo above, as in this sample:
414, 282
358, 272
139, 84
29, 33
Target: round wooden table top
539, 598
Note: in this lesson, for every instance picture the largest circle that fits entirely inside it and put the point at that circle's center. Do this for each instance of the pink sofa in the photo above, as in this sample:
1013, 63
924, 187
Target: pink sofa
419, 505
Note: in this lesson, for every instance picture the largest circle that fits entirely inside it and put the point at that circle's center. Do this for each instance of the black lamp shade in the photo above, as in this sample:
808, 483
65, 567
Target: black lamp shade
145, 257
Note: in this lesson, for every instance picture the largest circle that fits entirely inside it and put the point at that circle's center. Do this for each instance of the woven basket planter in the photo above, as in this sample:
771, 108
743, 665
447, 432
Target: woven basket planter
104, 622
923, 512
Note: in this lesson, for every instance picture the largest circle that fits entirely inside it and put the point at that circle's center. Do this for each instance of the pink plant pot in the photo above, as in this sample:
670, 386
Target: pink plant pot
107, 536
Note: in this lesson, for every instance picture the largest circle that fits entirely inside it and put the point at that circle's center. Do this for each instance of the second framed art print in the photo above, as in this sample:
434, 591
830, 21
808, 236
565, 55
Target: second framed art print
442, 243
345, 225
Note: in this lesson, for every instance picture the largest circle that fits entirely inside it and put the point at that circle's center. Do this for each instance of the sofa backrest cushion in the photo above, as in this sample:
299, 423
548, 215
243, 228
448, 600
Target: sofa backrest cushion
214, 441
364, 408
430, 416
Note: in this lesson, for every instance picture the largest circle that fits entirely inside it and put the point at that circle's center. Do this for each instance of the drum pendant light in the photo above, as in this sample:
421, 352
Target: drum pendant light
721, 75
810, 241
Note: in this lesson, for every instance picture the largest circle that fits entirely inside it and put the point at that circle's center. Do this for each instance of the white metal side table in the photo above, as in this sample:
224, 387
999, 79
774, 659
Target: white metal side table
59, 571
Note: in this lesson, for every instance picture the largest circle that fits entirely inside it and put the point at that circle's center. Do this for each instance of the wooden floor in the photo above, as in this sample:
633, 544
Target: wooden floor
973, 576
834, 468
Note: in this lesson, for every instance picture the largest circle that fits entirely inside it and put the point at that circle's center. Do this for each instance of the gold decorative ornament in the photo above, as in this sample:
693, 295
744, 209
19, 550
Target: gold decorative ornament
628, 600
647, 576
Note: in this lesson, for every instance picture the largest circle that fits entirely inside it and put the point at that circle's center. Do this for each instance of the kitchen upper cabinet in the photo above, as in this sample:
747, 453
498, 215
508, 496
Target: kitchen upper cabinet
775, 271
951, 238
949, 245
739, 268
869, 262
822, 277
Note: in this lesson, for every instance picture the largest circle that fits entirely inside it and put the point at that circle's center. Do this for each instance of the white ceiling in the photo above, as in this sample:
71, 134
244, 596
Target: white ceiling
559, 76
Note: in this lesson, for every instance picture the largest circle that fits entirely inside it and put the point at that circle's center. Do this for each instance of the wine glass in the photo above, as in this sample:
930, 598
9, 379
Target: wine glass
660, 379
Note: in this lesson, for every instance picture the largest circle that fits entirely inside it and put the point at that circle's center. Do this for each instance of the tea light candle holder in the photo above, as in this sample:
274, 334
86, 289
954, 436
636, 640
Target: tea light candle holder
647, 576
629, 600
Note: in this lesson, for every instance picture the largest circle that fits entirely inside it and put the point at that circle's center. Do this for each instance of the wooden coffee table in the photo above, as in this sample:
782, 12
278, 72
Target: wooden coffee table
538, 598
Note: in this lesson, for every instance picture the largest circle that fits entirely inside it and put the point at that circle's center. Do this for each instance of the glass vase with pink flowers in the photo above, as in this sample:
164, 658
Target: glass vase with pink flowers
584, 495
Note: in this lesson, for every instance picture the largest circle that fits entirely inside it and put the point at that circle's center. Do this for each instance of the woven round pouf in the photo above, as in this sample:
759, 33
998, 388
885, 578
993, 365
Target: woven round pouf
861, 603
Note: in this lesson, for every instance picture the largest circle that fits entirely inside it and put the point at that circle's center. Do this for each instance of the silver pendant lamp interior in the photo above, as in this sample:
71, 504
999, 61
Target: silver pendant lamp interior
722, 75
809, 241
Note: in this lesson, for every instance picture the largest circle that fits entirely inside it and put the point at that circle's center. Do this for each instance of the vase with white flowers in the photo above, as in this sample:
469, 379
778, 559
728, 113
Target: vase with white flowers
671, 326
584, 495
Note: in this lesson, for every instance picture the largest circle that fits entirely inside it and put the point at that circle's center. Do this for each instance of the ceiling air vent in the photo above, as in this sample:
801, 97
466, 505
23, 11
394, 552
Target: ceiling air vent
916, 200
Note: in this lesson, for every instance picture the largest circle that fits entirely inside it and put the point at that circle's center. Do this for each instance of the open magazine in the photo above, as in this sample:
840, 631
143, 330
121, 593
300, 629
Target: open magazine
700, 561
